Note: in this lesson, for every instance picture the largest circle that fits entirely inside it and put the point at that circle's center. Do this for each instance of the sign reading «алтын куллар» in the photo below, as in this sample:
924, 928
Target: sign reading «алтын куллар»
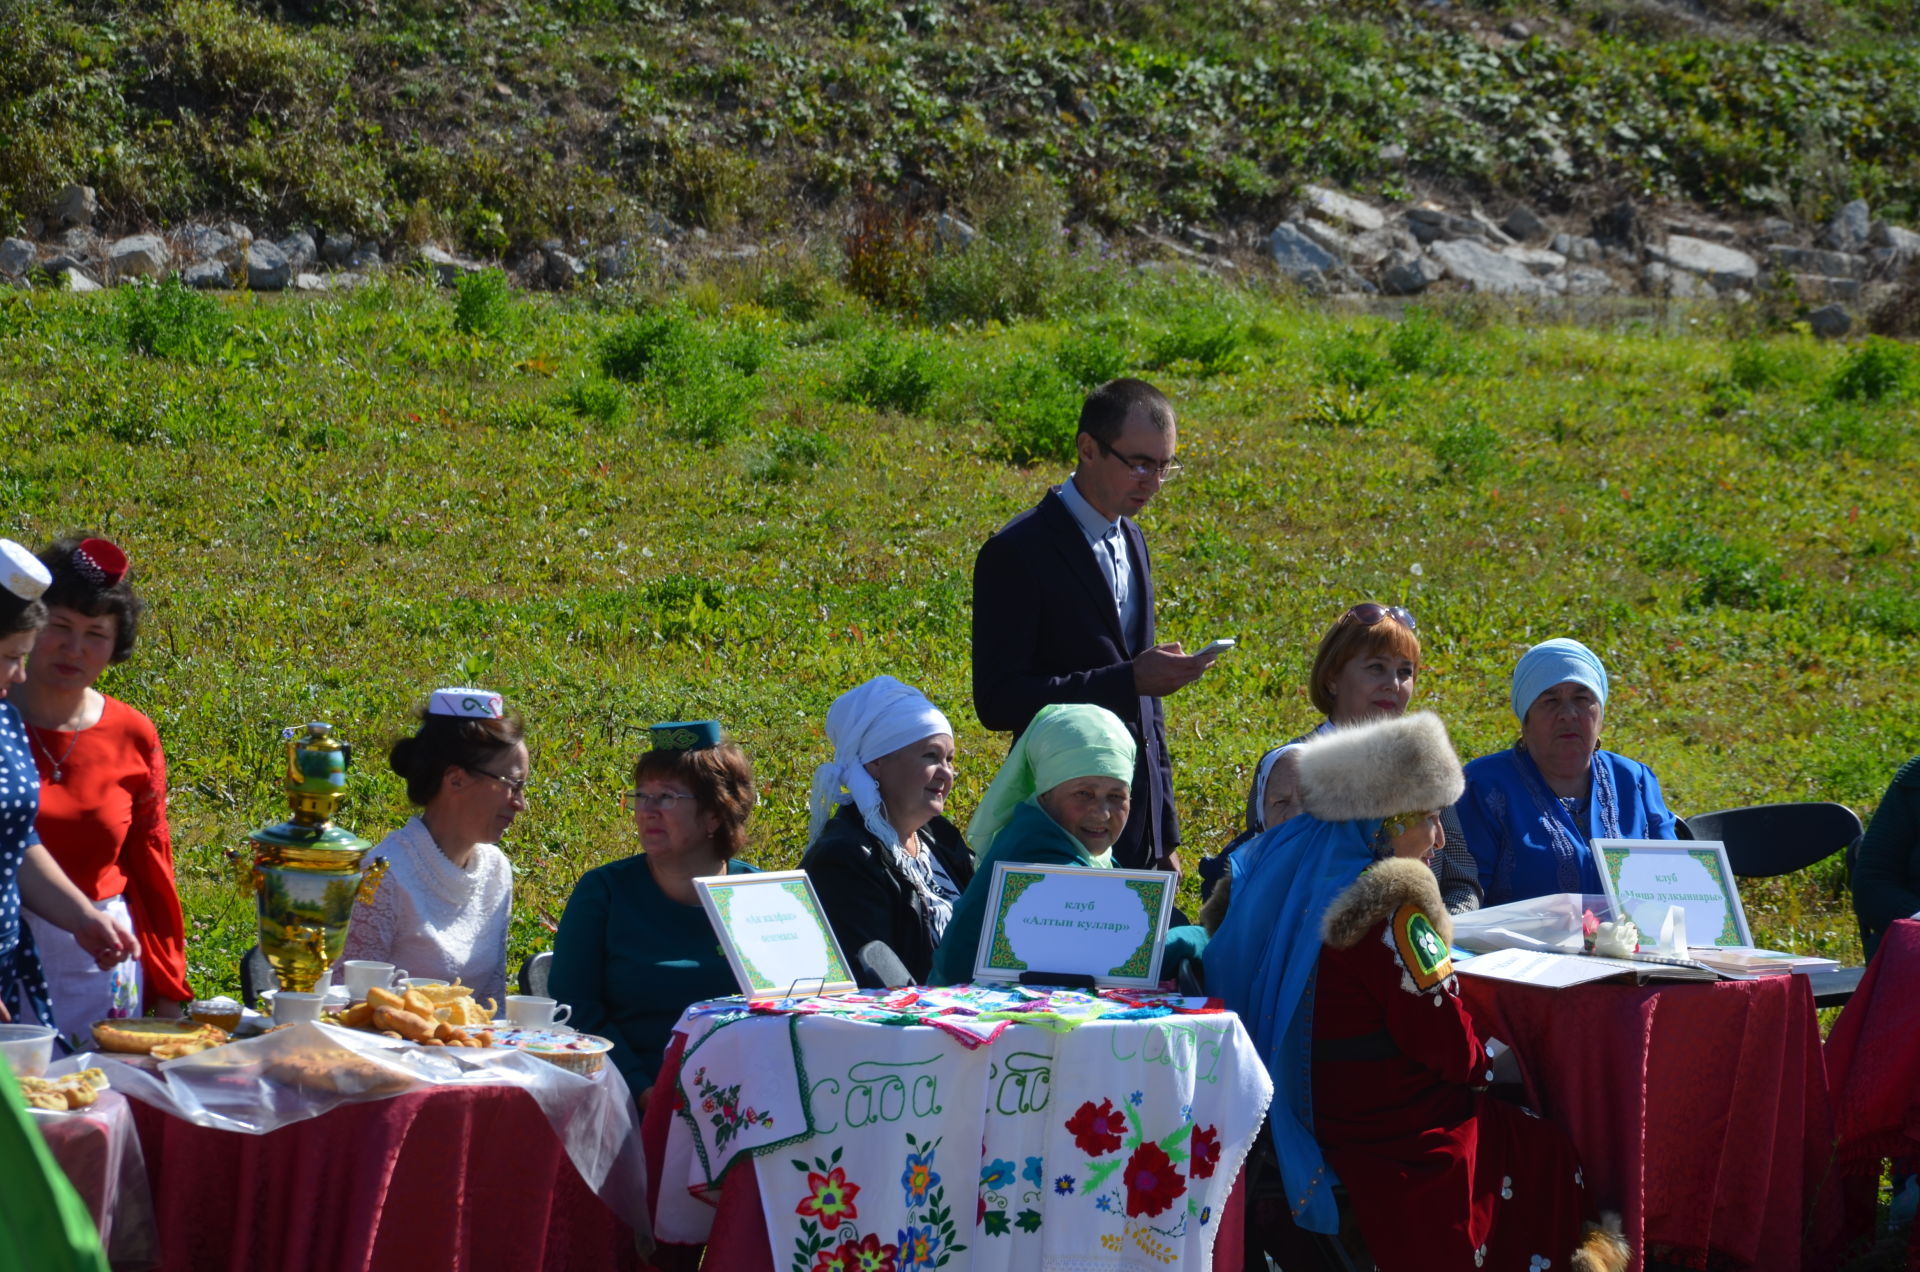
1107, 924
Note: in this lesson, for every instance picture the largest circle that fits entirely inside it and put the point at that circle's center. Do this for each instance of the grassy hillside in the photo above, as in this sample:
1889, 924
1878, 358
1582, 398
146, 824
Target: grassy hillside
492, 124
743, 500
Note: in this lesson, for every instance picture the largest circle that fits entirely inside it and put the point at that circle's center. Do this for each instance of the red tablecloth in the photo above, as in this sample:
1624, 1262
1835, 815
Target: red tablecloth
1700, 1111
444, 1179
100, 1153
739, 1241
1873, 1070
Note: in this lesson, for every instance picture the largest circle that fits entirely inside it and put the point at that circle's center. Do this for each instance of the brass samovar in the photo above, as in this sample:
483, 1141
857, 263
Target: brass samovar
307, 872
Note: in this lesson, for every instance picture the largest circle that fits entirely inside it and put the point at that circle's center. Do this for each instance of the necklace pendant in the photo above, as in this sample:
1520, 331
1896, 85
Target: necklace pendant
57, 773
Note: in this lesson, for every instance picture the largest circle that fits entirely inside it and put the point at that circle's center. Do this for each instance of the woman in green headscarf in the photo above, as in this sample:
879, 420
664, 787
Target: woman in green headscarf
1060, 799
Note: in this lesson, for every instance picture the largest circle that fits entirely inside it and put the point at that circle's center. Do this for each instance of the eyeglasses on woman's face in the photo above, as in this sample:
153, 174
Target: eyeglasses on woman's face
516, 786
647, 801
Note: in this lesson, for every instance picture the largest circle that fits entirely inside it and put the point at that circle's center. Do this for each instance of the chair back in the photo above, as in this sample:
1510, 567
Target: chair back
256, 975
533, 974
878, 958
1765, 840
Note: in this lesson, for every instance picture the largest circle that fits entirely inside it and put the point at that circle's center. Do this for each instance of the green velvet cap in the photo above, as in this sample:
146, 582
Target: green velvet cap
685, 735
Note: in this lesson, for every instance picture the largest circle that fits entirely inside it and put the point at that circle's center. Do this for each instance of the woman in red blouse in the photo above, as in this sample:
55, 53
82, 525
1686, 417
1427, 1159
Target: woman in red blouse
103, 790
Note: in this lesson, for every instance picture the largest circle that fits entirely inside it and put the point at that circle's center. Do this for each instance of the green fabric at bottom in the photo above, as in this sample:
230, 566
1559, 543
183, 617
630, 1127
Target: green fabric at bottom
44, 1226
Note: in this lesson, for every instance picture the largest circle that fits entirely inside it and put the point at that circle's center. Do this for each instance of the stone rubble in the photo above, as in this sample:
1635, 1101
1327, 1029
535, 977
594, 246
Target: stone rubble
1329, 243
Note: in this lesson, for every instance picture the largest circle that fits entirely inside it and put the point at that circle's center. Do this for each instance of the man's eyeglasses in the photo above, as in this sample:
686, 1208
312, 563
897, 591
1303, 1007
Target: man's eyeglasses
1367, 613
1141, 465
515, 785
666, 801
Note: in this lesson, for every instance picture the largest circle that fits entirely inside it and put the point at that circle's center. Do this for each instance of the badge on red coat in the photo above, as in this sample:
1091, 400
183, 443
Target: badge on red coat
1421, 950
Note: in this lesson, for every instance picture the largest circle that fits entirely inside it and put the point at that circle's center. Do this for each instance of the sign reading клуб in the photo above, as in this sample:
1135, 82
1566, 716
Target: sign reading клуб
1107, 924
1644, 878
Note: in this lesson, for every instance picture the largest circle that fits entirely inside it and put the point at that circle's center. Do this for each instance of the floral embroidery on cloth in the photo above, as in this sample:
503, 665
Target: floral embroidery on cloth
1076, 1139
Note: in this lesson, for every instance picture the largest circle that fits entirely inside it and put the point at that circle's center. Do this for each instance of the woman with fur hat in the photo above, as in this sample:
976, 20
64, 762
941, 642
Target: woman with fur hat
1532, 812
1335, 953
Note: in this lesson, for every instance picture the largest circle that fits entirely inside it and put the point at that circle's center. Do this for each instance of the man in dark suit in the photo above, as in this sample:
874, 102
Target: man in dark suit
1063, 605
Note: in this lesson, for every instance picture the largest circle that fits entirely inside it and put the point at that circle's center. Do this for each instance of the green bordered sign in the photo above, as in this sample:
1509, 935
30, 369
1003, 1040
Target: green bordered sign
775, 934
1107, 924
1644, 877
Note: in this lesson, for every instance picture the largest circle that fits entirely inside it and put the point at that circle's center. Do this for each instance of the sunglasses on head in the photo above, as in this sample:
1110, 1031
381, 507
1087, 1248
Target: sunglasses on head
1367, 613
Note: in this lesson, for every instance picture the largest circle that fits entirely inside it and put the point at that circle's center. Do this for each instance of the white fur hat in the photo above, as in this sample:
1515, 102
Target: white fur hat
1370, 771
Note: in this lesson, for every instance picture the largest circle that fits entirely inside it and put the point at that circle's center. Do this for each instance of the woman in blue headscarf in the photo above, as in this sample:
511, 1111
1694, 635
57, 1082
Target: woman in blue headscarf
1334, 950
1531, 812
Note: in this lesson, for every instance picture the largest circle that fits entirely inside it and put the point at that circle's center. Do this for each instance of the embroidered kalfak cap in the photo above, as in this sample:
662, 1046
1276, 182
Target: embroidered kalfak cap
100, 562
685, 735
471, 704
21, 572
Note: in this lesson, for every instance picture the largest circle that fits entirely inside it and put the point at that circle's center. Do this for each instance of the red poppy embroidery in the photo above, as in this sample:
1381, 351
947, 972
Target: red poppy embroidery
1097, 1130
1204, 1152
1152, 1181
831, 1198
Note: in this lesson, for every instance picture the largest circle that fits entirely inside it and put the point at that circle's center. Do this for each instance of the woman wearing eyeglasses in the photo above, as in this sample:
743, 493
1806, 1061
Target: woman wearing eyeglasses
634, 948
1364, 670
1531, 812
442, 909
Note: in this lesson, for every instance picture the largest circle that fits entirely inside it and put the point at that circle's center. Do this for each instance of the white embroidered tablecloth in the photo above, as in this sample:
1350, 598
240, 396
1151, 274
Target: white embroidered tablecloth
1103, 1146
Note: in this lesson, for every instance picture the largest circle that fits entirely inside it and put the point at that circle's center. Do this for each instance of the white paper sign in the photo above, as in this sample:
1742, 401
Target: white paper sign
774, 933
1107, 924
1644, 877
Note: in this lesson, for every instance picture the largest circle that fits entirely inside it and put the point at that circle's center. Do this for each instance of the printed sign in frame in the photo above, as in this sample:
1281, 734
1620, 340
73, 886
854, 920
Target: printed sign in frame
1107, 924
1645, 876
774, 934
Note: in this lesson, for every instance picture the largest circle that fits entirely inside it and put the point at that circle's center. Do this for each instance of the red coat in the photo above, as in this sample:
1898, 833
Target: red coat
1439, 1175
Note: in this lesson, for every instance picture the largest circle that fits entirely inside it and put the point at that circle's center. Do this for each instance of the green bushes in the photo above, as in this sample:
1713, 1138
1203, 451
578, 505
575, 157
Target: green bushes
1034, 411
704, 386
1878, 371
893, 374
483, 304
171, 320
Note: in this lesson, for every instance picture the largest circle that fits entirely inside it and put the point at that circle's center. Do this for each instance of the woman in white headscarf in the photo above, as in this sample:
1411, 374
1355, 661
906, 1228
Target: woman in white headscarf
886, 865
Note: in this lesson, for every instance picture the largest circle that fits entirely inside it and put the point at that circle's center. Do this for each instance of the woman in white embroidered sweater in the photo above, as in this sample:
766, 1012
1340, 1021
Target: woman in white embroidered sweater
442, 909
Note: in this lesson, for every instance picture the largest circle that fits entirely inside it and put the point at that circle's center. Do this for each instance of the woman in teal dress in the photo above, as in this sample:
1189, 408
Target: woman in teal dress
1060, 799
634, 948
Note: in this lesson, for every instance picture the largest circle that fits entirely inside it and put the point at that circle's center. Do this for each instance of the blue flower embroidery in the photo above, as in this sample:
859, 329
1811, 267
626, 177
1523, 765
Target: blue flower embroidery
918, 1246
1135, 1098
1103, 1202
1033, 1173
997, 1173
918, 1177
1064, 1185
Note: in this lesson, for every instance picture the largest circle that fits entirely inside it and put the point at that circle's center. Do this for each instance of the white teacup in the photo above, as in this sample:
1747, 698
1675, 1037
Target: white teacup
420, 982
527, 1011
363, 974
290, 1008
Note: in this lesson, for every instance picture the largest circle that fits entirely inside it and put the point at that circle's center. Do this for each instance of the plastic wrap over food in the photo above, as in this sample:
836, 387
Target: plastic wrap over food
99, 1150
286, 1076
1556, 921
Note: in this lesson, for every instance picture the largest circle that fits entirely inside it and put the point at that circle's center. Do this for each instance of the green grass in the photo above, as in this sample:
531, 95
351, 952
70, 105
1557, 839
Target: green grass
356, 501
498, 124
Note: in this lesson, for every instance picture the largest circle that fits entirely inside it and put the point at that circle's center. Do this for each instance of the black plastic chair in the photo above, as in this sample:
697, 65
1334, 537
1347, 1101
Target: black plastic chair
1765, 840
533, 974
256, 976
880, 960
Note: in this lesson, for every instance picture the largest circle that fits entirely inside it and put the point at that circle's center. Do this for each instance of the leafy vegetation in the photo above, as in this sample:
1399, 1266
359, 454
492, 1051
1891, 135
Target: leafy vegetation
355, 502
502, 123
